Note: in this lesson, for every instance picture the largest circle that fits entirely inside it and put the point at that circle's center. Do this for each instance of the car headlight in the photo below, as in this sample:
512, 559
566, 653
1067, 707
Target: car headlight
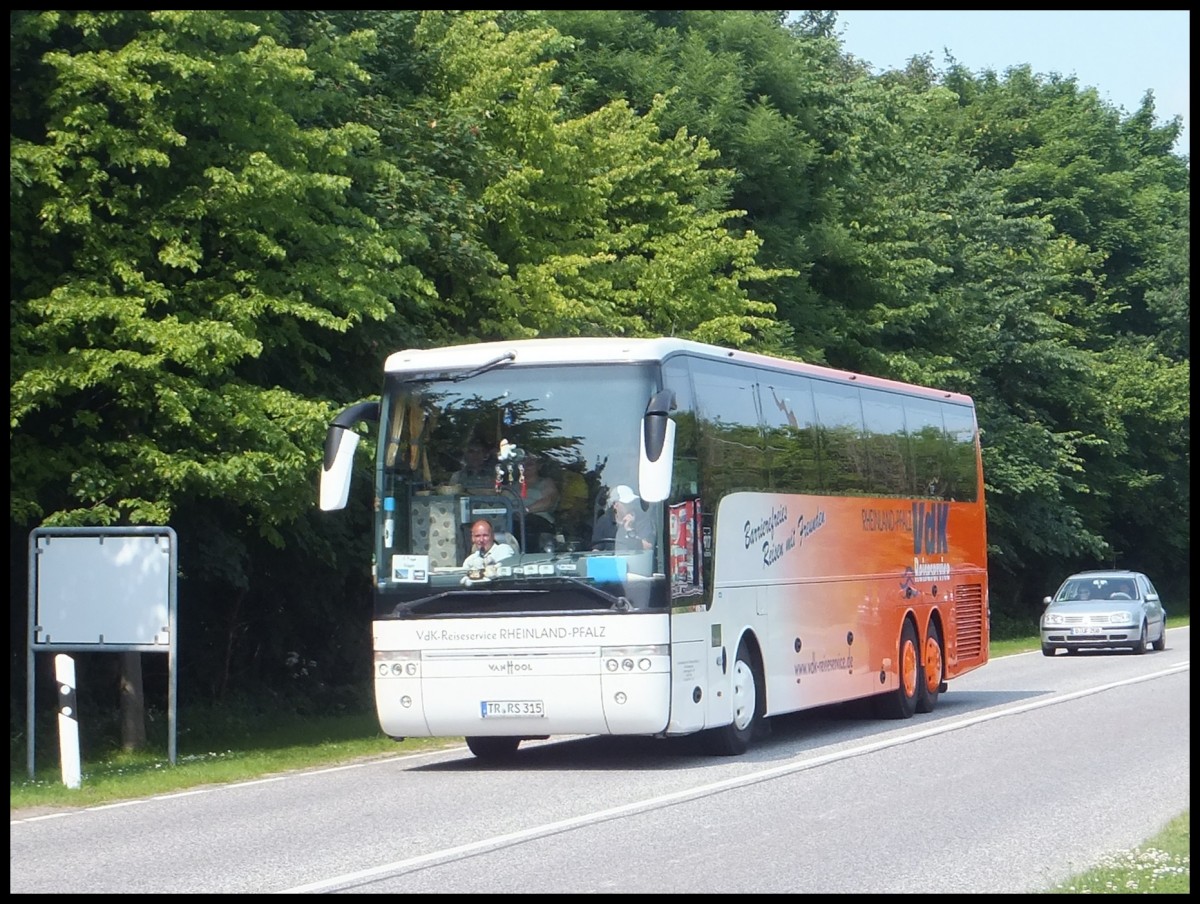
1053, 618
1120, 618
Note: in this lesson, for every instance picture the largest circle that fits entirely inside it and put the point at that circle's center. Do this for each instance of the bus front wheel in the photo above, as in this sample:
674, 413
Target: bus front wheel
734, 739
902, 702
493, 749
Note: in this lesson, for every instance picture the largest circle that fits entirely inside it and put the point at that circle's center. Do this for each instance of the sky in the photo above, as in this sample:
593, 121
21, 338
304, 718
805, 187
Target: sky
1120, 53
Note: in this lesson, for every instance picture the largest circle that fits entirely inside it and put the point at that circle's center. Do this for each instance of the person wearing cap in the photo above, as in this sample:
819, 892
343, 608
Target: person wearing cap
625, 526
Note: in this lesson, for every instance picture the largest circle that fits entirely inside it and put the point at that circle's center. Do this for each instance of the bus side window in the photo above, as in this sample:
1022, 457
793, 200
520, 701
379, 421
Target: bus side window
791, 437
843, 446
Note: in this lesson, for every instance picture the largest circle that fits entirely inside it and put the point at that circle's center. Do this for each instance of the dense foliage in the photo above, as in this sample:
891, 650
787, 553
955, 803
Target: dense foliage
222, 221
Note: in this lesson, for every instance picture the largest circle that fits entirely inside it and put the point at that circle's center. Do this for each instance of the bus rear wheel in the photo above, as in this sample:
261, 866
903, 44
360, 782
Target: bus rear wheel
902, 702
493, 749
932, 664
734, 739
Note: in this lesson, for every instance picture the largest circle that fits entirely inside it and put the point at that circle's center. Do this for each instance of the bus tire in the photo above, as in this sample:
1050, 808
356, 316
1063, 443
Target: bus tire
734, 739
493, 749
902, 702
932, 666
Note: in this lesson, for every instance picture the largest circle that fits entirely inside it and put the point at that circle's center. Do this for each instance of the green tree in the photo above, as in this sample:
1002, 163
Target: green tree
184, 237
591, 224
173, 226
1111, 185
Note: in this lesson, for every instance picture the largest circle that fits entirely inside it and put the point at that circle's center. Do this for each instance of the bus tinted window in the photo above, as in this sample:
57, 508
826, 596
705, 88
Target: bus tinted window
732, 450
843, 452
961, 483
888, 458
928, 445
789, 425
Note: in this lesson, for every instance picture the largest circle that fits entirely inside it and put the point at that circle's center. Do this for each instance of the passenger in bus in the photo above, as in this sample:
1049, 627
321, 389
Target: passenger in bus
476, 470
485, 551
541, 499
625, 526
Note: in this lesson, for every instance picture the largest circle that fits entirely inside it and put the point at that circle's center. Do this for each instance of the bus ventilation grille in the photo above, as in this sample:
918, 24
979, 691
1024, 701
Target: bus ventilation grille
968, 620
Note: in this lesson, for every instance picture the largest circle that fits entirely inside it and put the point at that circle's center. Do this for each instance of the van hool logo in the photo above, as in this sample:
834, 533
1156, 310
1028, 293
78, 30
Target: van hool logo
510, 667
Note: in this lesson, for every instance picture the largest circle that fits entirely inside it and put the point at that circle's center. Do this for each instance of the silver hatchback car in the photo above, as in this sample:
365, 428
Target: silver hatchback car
1097, 609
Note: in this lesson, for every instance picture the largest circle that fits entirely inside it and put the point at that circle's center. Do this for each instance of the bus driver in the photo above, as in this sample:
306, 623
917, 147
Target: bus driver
485, 551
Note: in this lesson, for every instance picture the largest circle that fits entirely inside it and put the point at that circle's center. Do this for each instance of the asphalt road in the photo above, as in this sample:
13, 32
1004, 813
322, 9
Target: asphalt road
1030, 770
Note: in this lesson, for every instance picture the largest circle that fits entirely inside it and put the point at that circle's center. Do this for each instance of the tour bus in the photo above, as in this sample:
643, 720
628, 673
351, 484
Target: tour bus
816, 536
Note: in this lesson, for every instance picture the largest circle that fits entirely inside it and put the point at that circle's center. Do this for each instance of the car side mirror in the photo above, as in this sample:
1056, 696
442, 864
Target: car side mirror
1046, 601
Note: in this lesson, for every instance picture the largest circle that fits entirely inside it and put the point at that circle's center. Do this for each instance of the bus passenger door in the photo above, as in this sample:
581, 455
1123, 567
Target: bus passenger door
690, 615
689, 669
695, 669
700, 672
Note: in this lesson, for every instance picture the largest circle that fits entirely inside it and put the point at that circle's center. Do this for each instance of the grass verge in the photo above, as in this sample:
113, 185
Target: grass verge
1161, 866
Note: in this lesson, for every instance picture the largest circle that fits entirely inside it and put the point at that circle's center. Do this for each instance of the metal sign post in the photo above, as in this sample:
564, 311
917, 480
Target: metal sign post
101, 590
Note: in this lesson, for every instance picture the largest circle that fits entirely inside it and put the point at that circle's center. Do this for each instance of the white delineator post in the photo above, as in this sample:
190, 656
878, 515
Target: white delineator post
68, 720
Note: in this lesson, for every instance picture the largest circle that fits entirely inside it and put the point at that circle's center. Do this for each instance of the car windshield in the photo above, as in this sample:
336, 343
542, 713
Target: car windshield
1098, 588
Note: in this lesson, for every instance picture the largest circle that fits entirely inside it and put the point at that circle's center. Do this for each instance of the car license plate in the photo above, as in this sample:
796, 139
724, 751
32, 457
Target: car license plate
1088, 629
512, 709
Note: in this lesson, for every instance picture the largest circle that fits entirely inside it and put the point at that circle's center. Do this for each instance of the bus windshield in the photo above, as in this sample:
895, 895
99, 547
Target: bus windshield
530, 461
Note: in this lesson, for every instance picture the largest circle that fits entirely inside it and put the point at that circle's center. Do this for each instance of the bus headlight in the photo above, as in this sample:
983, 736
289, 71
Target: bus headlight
397, 663
631, 659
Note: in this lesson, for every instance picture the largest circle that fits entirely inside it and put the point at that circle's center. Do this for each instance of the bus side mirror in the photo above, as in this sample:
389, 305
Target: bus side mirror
657, 448
340, 443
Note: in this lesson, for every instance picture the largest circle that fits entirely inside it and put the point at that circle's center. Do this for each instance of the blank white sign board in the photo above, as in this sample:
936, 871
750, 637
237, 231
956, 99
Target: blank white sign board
103, 590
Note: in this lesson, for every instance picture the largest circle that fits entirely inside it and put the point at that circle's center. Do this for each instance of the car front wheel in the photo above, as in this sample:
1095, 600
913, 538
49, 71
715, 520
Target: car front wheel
1161, 643
1048, 650
1142, 644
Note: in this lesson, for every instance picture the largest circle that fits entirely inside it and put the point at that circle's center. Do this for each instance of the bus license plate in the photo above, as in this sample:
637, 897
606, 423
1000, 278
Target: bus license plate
1089, 629
510, 709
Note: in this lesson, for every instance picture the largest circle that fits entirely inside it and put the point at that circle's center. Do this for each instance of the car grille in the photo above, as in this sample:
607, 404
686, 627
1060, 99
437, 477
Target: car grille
1087, 638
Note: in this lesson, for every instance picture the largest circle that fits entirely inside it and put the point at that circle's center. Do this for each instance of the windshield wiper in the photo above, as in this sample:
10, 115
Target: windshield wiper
620, 603
410, 604
445, 376
506, 358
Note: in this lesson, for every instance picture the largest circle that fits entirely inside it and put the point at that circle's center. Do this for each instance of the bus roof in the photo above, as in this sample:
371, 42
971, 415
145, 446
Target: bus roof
599, 350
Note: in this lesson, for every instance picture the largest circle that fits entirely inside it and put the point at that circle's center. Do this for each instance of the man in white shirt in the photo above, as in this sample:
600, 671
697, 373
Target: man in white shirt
485, 551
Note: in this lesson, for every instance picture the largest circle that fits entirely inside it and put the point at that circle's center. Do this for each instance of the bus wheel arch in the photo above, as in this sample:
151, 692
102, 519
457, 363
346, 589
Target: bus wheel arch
901, 703
932, 667
747, 686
